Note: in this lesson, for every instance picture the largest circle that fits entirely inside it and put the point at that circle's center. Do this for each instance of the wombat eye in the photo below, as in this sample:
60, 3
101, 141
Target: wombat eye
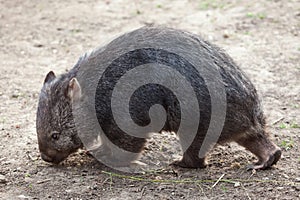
55, 135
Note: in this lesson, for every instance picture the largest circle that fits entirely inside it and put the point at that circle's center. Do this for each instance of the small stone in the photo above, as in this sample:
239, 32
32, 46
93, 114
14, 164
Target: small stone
235, 165
225, 36
237, 184
38, 45
28, 179
285, 176
15, 95
24, 197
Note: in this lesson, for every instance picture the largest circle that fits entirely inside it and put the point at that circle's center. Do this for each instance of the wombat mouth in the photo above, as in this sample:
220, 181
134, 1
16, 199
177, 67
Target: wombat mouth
55, 160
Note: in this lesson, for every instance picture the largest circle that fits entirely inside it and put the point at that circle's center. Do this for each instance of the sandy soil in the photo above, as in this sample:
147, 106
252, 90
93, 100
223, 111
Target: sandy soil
39, 36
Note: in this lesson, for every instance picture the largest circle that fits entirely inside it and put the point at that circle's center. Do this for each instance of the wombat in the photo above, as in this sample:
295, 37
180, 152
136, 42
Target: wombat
244, 121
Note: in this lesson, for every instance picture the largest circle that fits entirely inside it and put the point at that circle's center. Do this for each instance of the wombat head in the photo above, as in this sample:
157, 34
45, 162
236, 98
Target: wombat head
56, 131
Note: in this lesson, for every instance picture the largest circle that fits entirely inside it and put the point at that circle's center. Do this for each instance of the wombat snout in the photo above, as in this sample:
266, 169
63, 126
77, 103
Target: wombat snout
46, 158
57, 158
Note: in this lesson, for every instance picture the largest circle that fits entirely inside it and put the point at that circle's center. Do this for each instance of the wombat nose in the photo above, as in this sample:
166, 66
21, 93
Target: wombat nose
46, 158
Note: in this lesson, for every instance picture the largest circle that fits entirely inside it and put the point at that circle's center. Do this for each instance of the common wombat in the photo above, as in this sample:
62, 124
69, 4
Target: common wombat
244, 121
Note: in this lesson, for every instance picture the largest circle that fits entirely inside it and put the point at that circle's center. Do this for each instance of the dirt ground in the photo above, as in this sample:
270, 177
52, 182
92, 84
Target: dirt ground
37, 36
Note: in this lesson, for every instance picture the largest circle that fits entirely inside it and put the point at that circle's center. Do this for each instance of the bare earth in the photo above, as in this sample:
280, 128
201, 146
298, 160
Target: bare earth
38, 36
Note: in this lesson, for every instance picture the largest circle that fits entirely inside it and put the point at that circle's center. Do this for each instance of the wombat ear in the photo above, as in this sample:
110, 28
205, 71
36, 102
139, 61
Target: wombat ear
74, 90
50, 76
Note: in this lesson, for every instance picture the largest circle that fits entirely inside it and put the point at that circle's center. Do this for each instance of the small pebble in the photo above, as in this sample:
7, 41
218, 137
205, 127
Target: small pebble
24, 197
280, 188
15, 95
237, 184
235, 165
226, 34
38, 45
285, 176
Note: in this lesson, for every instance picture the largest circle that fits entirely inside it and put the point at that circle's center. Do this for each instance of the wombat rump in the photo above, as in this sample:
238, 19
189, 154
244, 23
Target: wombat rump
205, 98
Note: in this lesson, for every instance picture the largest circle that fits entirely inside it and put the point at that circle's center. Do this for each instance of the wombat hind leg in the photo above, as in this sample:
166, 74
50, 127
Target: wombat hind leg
260, 145
190, 160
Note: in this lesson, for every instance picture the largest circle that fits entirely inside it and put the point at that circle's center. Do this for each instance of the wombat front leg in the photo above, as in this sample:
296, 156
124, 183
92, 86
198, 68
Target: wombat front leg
190, 158
260, 145
115, 157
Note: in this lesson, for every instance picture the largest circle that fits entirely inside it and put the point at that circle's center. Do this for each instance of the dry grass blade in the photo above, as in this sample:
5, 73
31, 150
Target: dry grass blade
218, 180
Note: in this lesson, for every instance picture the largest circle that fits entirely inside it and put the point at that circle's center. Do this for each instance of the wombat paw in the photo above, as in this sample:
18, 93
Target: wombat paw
133, 167
183, 164
267, 164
